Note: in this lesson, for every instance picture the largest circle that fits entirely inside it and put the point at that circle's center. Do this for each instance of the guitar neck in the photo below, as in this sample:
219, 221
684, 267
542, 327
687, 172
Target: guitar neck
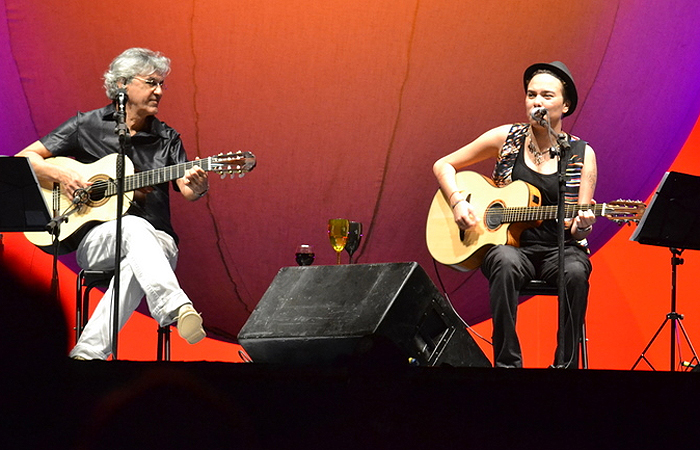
534, 213
157, 176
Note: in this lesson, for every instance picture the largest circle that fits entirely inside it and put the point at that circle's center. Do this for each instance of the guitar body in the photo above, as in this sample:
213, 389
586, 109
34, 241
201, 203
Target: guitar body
465, 250
98, 209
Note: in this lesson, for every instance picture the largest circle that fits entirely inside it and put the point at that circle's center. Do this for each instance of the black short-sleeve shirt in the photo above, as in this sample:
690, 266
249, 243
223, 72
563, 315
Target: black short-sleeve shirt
90, 136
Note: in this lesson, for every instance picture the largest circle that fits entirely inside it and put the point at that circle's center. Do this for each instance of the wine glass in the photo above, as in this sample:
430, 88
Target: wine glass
305, 255
354, 237
338, 234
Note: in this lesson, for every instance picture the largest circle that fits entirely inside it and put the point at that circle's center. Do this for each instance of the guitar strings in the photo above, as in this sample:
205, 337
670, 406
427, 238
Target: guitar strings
529, 213
105, 188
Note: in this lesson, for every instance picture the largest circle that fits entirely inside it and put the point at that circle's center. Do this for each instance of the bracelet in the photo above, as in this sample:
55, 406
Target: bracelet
453, 193
587, 229
455, 205
204, 192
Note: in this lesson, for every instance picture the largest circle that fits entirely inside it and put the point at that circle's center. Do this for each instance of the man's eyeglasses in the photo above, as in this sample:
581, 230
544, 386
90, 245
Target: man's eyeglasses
152, 83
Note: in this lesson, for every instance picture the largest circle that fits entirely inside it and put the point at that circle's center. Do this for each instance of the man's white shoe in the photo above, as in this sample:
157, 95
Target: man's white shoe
189, 324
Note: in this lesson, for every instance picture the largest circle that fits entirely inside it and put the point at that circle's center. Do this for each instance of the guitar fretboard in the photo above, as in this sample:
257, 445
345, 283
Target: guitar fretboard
158, 176
533, 213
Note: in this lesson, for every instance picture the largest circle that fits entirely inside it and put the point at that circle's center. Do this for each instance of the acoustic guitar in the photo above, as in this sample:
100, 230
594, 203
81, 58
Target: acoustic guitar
504, 213
99, 202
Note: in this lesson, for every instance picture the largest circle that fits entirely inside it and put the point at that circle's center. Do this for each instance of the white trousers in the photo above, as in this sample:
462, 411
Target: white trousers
149, 257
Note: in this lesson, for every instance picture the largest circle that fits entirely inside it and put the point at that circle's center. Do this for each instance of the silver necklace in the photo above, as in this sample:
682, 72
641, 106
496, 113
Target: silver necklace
535, 149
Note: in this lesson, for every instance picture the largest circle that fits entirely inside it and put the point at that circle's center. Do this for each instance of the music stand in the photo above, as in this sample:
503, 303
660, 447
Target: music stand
671, 220
22, 206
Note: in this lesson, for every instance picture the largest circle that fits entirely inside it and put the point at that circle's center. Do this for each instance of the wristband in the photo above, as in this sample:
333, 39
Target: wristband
204, 192
455, 205
587, 229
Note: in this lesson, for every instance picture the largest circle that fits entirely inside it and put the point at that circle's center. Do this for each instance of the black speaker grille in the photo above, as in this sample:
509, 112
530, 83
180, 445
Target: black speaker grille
322, 314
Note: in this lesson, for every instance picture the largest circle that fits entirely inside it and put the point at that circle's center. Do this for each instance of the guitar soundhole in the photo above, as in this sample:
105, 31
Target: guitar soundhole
98, 190
494, 216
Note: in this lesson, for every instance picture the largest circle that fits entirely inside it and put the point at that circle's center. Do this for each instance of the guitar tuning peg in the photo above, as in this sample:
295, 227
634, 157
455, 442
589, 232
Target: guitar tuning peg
223, 175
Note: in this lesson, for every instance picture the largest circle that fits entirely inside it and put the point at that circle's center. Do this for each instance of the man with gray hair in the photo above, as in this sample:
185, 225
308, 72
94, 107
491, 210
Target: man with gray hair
149, 249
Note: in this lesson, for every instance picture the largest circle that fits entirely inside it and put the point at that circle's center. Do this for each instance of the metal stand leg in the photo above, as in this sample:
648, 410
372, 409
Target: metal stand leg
673, 317
163, 343
584, 347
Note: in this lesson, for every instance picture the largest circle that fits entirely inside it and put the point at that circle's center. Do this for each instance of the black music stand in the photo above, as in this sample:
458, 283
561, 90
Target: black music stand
672, 220
22, 206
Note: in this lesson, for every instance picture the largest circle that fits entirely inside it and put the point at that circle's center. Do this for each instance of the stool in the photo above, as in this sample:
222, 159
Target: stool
89, 279
541, 287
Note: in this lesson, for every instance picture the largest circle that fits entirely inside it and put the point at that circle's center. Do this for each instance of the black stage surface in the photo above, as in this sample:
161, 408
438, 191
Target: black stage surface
360, 405
372, 400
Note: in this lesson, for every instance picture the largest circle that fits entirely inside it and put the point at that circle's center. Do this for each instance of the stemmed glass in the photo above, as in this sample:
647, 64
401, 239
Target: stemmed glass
338, 234
305, 255
354, 237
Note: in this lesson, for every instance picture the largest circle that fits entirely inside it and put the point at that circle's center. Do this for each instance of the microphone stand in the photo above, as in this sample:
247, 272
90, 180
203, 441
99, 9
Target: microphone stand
80, 198
124, 141
561, 152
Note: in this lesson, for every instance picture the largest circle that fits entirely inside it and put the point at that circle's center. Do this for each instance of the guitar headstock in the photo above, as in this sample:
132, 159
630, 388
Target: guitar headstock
624, 211
238, 163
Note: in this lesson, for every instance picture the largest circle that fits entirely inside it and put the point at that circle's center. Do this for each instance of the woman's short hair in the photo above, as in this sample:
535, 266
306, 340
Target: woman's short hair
550, 72
132, 62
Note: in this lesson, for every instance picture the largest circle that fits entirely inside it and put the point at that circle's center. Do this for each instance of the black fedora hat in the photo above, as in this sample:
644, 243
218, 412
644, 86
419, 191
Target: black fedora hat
562, 72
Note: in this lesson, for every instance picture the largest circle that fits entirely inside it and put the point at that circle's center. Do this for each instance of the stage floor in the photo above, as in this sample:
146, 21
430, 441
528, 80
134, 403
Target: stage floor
122, 404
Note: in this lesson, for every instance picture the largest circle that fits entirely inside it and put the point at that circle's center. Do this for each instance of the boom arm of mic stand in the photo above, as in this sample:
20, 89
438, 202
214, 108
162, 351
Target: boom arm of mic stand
54, 225
560, 138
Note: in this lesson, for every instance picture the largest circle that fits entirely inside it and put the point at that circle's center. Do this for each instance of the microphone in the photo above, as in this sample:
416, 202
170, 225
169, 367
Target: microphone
81, 196
121, 99
540, 115
120, 115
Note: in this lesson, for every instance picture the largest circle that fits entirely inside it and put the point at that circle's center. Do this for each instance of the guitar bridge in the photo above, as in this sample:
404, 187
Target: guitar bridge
56, 199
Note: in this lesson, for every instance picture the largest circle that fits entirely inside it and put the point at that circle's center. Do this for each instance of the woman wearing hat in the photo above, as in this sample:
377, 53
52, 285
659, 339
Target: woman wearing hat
522, 152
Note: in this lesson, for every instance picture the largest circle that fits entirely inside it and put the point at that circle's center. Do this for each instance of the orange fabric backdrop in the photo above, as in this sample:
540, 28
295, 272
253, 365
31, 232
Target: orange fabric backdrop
346, 106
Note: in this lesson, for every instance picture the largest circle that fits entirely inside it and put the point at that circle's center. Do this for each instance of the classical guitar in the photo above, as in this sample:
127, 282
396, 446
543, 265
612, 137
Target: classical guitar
99, 202
504, 213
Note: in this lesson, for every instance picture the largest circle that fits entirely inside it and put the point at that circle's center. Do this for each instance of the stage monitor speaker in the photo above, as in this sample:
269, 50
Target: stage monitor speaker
329, 314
